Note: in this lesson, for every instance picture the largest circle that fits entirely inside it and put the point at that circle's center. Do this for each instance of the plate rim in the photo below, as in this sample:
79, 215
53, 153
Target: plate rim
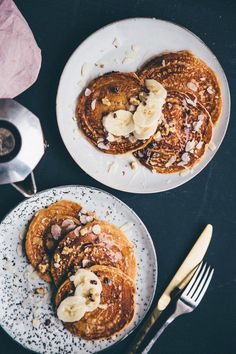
156, 266
154, 190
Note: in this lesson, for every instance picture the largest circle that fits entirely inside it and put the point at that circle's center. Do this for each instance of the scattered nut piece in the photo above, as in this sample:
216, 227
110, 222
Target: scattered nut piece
85, 69
56, 265
57, 258
134, 101
87, 92
115, 43
19, 250
96, 229
43, 268
83, 232
40, 291
67, 250
192, 86
106, 101
56, 231
103, 146
36, 323
134, 165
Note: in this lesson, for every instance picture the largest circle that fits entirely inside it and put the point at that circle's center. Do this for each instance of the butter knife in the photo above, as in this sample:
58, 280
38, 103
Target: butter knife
179, 281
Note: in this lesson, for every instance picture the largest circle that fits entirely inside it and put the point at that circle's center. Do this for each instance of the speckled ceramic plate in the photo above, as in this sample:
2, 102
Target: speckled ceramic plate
98, 54
28, 317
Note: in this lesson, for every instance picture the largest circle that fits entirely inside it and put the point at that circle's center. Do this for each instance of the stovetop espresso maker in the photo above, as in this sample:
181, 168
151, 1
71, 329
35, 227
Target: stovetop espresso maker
21, 146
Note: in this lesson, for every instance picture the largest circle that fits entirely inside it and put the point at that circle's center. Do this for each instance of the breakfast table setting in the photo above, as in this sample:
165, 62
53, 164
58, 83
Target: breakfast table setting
117, 177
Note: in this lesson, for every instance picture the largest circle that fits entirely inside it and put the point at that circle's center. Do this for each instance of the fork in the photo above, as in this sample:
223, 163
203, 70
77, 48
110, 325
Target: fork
189, 298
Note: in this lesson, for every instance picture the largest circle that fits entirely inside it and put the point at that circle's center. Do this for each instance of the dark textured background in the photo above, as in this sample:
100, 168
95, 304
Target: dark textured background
174, 218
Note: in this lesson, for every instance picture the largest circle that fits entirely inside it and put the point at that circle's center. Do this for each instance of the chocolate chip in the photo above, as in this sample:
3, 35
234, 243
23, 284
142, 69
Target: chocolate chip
114, 115
114, 89
90, 296
85, 245
93, 282
106, 280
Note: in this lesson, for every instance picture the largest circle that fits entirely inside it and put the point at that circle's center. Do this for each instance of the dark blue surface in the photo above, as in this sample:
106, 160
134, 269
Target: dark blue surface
174, 218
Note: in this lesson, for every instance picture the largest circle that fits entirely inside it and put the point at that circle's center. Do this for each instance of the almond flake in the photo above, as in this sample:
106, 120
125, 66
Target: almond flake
126, 226
93, 104
103, 146
36, 323
212, 146
209, 90
193, 103
87, 92
85, 263
199, 145
110, 137
112, 167
85, 69
192, 86
134, 165
157, 136
19, 250
171, 161
190, 145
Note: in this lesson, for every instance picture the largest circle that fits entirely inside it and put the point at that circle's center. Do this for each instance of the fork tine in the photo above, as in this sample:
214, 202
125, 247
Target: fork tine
200, 296
201, 284
192, 281
197, 281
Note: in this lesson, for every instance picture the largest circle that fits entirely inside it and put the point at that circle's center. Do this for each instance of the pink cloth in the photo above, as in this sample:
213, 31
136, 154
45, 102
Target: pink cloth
20, 57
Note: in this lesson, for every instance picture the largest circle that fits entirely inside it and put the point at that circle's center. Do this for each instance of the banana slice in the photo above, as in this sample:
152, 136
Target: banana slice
119, 123
89, 287
156, 88
86, 277
142, 133
72, 309
90, 293
149, 113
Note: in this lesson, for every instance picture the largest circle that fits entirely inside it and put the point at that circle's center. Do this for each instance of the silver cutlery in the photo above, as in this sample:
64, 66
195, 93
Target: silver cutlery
189, 298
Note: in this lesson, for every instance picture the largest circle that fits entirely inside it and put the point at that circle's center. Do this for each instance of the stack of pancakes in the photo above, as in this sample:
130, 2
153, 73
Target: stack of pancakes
64, 238
191, 110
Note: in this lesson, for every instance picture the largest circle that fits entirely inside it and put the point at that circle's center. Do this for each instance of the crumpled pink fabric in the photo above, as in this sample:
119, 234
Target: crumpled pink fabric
20, 57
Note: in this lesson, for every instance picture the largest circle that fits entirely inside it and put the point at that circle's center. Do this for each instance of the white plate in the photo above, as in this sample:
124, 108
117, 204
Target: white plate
18, 303
152, 36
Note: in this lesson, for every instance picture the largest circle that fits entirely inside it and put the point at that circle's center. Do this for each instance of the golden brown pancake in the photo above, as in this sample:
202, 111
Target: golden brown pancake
117, 305
185, 72
48, 226
182, 137
110, 92
83, 248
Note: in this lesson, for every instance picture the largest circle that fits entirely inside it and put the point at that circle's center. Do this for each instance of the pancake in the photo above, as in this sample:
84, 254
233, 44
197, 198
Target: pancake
116, 309
107, 94
182, 137
48, 226
85, 247
185, 72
